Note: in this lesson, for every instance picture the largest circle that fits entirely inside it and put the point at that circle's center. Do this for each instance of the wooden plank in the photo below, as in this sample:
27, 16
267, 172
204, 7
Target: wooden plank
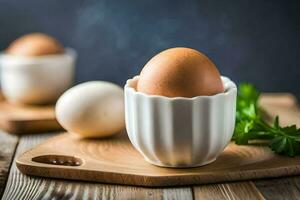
8, 144
228, 191
37, 188
20, 186
280, 188
129, 192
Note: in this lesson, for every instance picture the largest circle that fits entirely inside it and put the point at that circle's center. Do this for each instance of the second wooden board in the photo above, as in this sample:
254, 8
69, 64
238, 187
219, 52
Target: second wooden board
21, 119
114, 160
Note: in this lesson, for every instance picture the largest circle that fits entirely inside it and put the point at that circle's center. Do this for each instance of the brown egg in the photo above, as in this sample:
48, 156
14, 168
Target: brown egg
180, 72
35, 44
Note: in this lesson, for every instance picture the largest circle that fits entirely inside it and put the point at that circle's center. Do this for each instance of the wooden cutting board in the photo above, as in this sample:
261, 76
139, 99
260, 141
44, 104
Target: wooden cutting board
114, 160
21, 119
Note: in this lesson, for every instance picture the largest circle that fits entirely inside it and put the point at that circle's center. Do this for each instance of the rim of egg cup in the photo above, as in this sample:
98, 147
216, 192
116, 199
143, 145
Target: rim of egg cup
229, 88
29, 60
36, 79
180, 132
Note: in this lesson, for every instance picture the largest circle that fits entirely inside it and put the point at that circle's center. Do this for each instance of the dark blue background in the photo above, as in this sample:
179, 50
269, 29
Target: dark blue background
256, 41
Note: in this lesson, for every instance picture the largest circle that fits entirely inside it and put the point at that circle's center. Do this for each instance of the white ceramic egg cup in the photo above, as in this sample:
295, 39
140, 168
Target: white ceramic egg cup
180, 132
36, 80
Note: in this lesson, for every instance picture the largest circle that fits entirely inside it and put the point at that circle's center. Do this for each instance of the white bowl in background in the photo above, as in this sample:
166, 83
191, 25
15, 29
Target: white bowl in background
36, 80
180, 132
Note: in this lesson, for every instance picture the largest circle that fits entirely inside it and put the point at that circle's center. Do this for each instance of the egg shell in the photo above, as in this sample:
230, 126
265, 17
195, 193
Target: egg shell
92, 109
180, 72
35, 44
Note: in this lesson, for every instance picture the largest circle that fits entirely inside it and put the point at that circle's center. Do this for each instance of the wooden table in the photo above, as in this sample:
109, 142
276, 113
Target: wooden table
14, 185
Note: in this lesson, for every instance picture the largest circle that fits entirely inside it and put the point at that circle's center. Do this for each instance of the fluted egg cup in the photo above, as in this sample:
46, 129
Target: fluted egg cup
180, 132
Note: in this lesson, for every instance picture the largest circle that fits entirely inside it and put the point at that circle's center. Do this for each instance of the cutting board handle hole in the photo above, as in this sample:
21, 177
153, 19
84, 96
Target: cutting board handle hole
58, 160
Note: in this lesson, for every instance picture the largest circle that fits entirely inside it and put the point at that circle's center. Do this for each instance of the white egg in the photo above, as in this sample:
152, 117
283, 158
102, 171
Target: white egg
92, 109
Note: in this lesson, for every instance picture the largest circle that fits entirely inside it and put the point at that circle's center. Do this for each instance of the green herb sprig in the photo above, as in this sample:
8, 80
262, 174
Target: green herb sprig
251, 126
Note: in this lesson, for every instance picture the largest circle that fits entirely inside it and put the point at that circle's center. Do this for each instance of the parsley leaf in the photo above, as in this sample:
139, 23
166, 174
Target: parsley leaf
251, 126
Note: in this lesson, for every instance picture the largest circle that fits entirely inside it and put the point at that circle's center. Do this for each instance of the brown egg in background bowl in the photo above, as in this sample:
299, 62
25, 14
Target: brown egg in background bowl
36, 69
35, 44
179, 111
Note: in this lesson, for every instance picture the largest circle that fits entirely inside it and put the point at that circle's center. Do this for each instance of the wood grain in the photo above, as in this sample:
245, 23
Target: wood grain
233, 191
114, 160
24, 187
21, 119
284, 105
280, 188
8, 144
